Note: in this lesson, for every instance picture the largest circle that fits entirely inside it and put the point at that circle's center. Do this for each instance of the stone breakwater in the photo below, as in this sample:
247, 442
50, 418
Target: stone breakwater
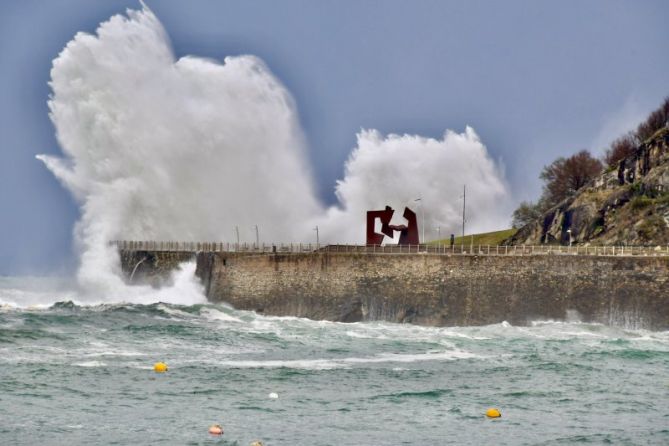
427, 289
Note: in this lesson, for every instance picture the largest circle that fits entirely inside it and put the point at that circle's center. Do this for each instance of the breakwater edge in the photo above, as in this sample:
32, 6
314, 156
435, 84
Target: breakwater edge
466, 286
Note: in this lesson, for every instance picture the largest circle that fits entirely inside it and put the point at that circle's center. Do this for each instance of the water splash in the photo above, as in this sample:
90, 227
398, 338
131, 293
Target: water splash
396, 170
161, 148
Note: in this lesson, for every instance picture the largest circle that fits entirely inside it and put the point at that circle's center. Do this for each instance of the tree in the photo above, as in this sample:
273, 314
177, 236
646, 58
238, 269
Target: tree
526, 213
655, 121
564, 176
621, 148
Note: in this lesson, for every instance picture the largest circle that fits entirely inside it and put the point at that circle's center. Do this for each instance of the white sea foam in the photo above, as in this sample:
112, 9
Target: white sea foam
324, 364
419, 357
360, 335
172, 311
35, 299
114, 353
215, 315
186, 290
90, 364
452, 333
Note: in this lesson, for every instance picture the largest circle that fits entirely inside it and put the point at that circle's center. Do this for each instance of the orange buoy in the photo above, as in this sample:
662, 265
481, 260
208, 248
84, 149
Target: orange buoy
160, 367
215, 429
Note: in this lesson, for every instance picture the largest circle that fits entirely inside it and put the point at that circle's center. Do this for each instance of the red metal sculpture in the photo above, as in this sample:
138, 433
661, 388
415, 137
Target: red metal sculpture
373, 238
408, 232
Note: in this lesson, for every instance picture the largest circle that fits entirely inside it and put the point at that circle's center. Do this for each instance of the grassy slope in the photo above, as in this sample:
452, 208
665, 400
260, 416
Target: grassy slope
487, 238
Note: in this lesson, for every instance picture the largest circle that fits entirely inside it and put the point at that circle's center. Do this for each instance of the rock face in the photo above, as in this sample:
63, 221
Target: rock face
628, 205
438, 290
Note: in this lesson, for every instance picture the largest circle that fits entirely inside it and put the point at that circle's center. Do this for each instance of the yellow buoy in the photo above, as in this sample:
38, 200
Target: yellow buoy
493, 413
160, 367
215, 429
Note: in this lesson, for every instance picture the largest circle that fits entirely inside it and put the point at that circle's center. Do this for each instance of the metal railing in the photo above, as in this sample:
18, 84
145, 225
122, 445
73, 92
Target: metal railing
446, 249
132, 245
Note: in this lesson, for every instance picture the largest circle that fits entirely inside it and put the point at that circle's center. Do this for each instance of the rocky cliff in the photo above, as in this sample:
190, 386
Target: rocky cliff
627, 205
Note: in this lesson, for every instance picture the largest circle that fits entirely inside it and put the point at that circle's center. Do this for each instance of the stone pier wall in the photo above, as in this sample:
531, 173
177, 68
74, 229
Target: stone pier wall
428, 289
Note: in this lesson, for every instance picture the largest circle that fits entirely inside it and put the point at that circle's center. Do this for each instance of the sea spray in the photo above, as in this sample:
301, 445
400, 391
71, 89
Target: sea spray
397, 170
164, 148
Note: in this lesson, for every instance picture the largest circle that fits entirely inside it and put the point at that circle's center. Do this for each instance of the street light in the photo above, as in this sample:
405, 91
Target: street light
422, 216
464, 208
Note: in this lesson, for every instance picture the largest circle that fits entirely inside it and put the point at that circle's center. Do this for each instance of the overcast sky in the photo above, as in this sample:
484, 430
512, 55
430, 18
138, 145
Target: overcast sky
536, 80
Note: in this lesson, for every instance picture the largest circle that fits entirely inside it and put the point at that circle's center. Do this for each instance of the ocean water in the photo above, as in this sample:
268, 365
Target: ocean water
74, 373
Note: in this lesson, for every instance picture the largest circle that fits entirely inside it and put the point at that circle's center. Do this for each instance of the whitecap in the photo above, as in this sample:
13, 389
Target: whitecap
215, 315
323, 363
90, 364
358, 335
173, 311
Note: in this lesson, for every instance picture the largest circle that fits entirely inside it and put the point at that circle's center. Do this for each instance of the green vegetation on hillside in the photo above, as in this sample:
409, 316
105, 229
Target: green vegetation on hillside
564, 177
486, 238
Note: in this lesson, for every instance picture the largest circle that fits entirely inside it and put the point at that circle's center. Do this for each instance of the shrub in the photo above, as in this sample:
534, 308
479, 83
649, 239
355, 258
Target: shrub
564, 176
655, 121
526, 213
621, 148
651, 227
640, 202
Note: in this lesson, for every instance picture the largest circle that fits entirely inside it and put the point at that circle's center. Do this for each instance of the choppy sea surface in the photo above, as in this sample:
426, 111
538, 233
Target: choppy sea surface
75, 374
